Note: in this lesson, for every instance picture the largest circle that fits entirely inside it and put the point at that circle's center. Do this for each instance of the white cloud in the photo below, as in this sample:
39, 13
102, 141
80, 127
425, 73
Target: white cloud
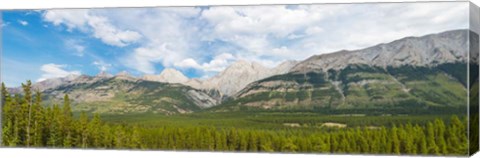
188, 63
22, 22
76, 46
270, 34
276, 20
301, 31
217, 64
169, 36
189, 37
70, 18
55, 71
102, 66
313, 30
144, 59
100, 26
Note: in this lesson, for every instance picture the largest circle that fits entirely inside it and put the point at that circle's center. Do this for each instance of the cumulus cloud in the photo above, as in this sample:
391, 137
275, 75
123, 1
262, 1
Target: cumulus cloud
219, 63
55, 71
305, 30
102, 66
197, 38
169, 36
22, 22
100, 26
144, 59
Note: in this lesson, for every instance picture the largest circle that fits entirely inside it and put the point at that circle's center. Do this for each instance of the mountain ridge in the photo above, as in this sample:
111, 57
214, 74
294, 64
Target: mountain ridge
387, 75
442, 47
364, 82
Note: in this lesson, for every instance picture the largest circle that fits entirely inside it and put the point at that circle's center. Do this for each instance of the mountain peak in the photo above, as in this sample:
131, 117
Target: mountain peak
171, 75
243, 65
103, 74
168, 75
428, 50
284, 67
123, 73
240, 63
170, 71
71, 77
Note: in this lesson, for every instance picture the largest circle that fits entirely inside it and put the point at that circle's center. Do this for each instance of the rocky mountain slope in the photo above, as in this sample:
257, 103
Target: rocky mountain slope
168, 75
429, 50
103, 92
410, 73
122, 94
229, 81
236, 77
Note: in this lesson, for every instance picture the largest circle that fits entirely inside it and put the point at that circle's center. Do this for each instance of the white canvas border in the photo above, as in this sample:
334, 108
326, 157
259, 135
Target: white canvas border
74, 153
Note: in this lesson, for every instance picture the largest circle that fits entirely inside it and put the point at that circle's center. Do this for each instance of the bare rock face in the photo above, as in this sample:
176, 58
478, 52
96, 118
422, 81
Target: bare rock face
238, 75
49, 83
283, 67
124, 75
104, 74
202, 99
385, 75
429, 50
168, 75
243, 79
119, 95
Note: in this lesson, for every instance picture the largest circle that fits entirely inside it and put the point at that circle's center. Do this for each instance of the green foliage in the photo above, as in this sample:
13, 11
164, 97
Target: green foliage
128, 97
49, 128
404, 89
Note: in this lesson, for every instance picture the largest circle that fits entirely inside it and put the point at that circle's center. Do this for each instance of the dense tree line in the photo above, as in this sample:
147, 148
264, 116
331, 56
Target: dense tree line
27, 123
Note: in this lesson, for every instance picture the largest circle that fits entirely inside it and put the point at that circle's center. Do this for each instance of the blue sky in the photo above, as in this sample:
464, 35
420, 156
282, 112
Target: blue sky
202, 41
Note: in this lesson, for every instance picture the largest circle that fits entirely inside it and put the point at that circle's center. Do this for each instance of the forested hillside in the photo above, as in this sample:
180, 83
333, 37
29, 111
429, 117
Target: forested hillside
406, 89
27, 123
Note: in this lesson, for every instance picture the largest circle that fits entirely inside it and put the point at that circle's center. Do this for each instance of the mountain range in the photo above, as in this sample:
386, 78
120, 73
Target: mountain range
410, 73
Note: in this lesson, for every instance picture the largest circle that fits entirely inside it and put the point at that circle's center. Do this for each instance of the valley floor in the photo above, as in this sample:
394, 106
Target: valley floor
269, 120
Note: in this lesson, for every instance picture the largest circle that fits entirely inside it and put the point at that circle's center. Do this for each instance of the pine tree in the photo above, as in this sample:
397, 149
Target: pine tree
7, 117
289, 146
334, 143
27, 112
55, 139
362, 144
384, 147
83, 130
252, 142
344, 145
15, 140
395, 141
423, 146
265, 144
38, 121
136, 139
421, 140
409, 139
220, 141
232, 139
454, 133
432, 146
119, 137
93, 129
107, 136
440, 136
